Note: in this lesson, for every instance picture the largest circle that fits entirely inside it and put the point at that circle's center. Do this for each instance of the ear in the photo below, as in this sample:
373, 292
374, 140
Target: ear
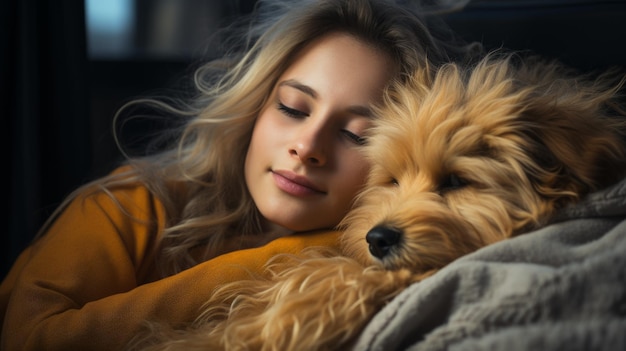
578, 129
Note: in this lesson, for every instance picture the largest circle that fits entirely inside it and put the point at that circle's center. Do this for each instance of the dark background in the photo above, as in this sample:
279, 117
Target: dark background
61, 80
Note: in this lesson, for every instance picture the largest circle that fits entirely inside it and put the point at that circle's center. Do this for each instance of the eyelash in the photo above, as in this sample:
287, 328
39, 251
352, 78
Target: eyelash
290, 112
293, 113
355, 138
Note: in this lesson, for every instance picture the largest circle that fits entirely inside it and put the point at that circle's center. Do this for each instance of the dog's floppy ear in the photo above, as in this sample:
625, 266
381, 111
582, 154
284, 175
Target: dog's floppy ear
578, 128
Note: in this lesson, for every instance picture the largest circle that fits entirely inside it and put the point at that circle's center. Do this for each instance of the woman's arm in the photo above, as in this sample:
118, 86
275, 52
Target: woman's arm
84, 285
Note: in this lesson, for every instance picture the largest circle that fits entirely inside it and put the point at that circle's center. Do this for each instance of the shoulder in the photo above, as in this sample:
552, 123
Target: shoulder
126, 206
122, 192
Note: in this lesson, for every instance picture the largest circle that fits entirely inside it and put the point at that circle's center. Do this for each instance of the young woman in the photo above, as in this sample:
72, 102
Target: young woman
268, 157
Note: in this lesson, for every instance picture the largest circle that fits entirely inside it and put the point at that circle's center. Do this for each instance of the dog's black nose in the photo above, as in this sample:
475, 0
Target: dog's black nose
381, 239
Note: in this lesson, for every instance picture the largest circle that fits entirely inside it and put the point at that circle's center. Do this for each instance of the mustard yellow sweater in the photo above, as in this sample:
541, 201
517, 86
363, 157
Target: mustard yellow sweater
91, 281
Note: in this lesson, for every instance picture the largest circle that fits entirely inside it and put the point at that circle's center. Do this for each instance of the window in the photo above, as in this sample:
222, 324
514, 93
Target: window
156, 29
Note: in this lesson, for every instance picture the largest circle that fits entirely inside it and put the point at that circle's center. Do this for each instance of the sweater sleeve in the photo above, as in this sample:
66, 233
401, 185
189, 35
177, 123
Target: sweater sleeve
83, 286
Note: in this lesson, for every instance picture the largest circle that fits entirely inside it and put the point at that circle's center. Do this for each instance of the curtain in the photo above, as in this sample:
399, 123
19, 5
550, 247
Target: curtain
44, 103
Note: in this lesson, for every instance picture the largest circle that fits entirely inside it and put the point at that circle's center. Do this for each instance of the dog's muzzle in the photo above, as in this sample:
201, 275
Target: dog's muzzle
382, 239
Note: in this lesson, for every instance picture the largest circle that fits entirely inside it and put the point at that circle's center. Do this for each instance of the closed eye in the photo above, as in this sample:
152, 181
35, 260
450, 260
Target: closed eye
452, 182
354, 138
291, 112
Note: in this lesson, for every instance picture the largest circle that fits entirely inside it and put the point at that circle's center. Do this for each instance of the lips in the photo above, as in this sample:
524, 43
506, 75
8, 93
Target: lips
295, 184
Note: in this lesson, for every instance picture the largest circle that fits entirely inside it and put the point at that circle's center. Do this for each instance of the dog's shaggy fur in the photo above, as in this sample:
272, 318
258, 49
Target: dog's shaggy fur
461, 159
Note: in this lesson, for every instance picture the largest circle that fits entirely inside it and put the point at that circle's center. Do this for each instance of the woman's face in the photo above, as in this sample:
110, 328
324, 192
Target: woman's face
303, 166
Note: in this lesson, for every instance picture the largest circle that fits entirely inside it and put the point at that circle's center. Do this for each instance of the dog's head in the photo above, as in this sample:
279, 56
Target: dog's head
473, 155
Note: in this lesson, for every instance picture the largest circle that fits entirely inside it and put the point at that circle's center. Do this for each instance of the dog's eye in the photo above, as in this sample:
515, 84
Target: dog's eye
394, 182
452, 182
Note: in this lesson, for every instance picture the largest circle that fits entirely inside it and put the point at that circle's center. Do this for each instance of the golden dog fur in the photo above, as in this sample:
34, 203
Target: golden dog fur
462, 158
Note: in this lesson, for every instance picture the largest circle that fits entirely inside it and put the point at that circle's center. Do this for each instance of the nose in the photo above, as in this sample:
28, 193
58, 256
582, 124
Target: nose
310, 147
382, 239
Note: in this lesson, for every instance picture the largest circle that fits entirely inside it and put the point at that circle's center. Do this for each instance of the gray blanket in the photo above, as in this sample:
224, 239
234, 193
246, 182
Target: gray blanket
559, 288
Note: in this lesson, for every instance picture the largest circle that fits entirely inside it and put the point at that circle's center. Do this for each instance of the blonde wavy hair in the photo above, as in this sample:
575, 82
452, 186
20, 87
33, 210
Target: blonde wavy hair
199, 176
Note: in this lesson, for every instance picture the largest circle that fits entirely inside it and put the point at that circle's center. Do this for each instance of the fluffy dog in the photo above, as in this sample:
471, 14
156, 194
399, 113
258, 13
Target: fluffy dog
462, 158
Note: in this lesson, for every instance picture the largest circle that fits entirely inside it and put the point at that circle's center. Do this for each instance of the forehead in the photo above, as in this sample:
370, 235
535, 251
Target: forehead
340, 43
339, 63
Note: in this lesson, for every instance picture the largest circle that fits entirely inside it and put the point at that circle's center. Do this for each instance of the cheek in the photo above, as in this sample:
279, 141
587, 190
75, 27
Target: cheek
266, 133
264, 130
260, 144
353, 173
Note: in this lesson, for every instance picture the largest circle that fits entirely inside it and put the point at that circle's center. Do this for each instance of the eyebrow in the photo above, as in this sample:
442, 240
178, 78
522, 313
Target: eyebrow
361, 111
357, 110
299, 86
